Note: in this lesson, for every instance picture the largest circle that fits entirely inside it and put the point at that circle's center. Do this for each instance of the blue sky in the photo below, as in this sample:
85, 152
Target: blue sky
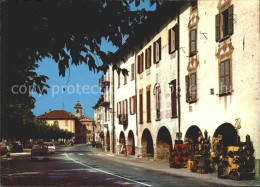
81, 80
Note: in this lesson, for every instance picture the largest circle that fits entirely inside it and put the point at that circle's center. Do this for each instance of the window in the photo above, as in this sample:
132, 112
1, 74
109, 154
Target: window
141, 106
125, 107
148, 58
191, 88
193, 38
118, 80
157, 51
224, 24
173, 99
140, 63
225, 78
148, 103
119, 109
125, 79
132, 101
158, 101
173, 39
132, 71
56, 123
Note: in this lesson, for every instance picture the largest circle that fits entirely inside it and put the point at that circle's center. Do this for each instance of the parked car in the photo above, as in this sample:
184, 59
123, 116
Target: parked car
16, 147
98, 144
4, 150
91, 143
51, 146
40, 151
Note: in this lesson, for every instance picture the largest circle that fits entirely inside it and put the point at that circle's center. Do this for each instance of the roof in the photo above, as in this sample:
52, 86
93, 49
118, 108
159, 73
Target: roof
57, 114
85, 118
100, 101
150, 25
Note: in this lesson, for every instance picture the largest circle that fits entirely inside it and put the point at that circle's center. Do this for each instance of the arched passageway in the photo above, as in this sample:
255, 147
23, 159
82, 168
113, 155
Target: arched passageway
131, 143
108, 141
228, 134
193, 134
147, 143
164, 143
121, 142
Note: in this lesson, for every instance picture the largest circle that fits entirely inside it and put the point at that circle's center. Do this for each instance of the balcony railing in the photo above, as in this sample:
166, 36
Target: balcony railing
123, 119
104, 80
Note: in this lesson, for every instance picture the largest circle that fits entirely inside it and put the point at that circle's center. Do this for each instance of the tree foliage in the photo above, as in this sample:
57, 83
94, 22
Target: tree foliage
68, 31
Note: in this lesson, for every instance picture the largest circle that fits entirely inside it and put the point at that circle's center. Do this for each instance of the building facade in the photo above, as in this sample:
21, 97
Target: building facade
196, 69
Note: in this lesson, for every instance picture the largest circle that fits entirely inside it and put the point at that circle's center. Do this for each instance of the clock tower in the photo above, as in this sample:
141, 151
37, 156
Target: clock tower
78, 109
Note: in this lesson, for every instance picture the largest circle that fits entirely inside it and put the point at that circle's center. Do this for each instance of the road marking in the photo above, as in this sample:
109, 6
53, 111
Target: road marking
81, 154
106, 171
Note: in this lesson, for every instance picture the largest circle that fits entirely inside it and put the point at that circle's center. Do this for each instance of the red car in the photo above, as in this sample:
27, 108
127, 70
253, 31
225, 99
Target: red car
40, 152
4, 150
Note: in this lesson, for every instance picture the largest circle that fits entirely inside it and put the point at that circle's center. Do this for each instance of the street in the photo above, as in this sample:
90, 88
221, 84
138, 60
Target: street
80, 165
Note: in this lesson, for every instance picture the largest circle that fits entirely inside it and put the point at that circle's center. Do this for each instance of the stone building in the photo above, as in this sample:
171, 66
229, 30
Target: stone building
196, 68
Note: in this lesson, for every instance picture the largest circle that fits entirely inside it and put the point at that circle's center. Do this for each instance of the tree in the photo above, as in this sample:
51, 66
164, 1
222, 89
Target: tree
61, 30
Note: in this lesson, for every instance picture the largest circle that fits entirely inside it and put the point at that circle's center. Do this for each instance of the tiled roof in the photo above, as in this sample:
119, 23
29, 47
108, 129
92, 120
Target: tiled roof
57, 114
85, 118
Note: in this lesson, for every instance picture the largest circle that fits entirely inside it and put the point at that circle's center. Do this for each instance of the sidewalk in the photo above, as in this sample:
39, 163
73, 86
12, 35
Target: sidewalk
163, 166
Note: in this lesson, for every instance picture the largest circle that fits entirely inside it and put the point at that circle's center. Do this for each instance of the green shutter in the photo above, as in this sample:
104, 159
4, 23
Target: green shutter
217, 27
187, 83
230, 20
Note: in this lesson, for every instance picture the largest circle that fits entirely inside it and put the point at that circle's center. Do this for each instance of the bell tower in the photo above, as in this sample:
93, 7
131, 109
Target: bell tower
78, 109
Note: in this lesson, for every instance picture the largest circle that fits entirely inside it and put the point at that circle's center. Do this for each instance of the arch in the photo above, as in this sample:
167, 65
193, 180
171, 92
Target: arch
108, 141
193, 133
228, 133
131, 143
164, 143
147, 143
121, 142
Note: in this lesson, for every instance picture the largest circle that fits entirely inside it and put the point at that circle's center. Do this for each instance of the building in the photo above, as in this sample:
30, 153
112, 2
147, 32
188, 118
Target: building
196, 68
99, 123
63, 119
79, 124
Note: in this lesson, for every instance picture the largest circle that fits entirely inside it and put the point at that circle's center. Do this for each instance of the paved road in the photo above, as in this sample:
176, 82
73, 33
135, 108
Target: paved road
84, 166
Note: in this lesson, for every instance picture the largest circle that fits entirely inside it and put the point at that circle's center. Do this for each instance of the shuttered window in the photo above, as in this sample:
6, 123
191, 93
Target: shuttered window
118, 80
173, 99
140, 63
105, 114
225, 79
193, 85
148, 58
224, 23
193, 38
141, 107
158, 101
187, 82
120, 110
126, 107
125, 79
148, 104
132, 105
217, 20
117, 109
157, 51
132, 71
173, 39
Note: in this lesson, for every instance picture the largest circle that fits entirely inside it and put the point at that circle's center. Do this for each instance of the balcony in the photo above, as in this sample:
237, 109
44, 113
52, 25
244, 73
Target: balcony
123, 119
103, 81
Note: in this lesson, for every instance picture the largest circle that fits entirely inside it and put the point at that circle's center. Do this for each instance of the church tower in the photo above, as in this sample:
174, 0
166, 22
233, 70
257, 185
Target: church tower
78, 109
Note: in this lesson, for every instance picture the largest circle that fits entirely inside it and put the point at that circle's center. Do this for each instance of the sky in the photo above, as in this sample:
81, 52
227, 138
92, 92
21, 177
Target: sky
81, 84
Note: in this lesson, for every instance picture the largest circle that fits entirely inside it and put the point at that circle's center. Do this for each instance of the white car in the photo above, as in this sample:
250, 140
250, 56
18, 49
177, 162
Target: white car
51, 146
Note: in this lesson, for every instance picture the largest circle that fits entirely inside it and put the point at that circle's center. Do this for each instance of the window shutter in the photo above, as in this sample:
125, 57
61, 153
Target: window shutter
230, 19
141, 63
130, 105
159, 46
157, 51
192, 41
117, 109
217, 23
138, 58
148, 105
174, 103
132, 71
141, 108
193, 86
118, 79
123, 107
172, 42
120, 111
126, 107
146, 58
176, 29
187, 82
134, 104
